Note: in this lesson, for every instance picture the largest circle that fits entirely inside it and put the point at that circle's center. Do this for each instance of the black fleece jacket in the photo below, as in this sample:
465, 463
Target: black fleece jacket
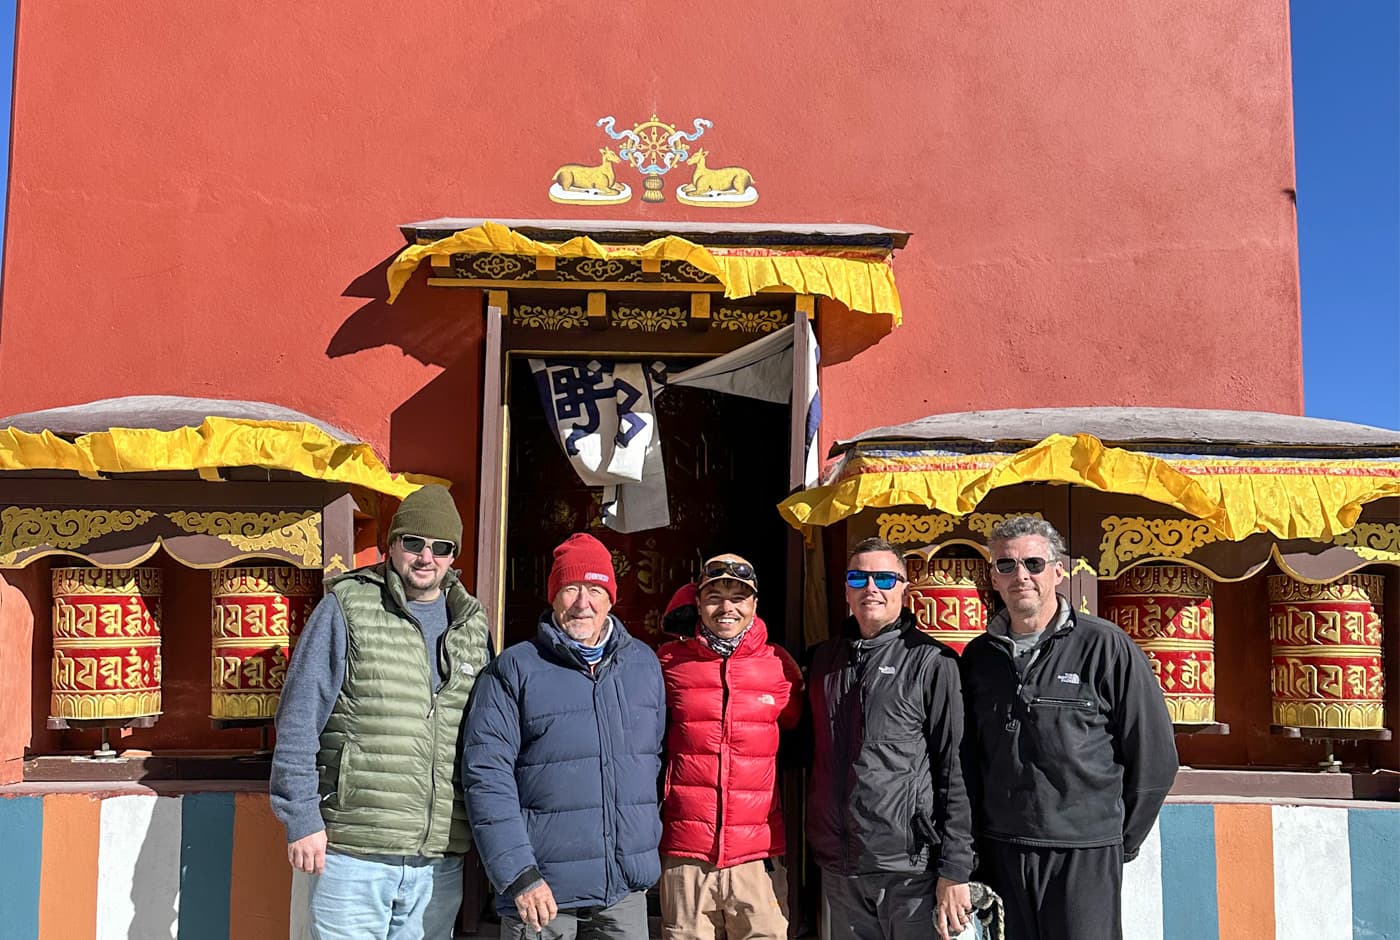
1079, 752
887, 792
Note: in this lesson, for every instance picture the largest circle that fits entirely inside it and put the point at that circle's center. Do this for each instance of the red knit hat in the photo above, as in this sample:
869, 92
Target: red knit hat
582, 558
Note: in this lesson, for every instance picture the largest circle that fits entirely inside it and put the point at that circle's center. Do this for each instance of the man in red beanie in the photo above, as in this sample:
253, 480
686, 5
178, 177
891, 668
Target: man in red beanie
729, 692
560, 761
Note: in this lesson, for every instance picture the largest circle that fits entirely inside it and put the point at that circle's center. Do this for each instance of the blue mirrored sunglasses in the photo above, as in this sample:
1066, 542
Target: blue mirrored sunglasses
884, 580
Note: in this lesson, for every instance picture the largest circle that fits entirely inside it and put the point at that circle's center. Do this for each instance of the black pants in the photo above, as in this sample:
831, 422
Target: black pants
892, 906
1057, 894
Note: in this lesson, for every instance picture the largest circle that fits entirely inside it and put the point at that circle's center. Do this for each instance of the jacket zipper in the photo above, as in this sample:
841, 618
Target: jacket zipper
432, 725
724, 740
1078, 703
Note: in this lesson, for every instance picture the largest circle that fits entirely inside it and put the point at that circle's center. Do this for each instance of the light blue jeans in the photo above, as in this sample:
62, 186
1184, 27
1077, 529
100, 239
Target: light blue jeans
386, 897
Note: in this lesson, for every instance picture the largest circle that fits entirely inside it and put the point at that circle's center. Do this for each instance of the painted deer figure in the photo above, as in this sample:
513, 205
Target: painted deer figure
722, 179
600, 178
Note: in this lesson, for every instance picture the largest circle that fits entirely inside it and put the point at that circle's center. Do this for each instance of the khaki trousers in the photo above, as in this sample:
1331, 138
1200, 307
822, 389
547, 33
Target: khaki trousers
741, 902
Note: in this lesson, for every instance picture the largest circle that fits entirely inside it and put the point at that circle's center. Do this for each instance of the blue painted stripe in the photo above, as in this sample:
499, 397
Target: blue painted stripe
22, 835
1188, 871
206, 865
1375, 872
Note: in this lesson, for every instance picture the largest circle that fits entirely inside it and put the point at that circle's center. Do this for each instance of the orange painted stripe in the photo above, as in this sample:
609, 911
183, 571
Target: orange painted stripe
261, 895
68, 871
1244, 865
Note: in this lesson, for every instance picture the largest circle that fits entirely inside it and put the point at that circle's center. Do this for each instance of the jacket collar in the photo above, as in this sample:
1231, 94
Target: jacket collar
1000, 626
550, 637
753, 641
906, 621
460, 604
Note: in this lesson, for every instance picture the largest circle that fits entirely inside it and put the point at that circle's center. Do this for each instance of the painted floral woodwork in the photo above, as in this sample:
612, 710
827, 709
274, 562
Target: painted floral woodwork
258, 612
1167, 610
1328, 670
106, 643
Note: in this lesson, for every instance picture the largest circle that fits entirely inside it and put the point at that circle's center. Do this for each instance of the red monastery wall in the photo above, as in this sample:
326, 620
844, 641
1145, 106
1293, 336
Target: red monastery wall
202, 201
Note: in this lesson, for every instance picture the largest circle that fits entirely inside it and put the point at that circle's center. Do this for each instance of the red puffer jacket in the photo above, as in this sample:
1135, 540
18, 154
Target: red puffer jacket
721, 801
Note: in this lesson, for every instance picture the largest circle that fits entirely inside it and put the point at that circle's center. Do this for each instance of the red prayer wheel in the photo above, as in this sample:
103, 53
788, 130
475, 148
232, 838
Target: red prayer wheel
106, 643
258, 612
946, 597
1166, 610
1328, 670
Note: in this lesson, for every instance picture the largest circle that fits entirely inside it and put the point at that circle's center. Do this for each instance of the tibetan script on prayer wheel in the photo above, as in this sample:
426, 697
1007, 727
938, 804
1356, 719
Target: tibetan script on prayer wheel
106, 643
258, 612
945, 596
1166, 610
1326, 649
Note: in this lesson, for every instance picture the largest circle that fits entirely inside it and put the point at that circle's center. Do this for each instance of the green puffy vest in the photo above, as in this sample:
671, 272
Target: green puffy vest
389, 768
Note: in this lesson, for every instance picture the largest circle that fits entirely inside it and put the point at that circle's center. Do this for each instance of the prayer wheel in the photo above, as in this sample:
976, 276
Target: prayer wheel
945, 595
1328, 670
1167, 611
258, 612
106, 643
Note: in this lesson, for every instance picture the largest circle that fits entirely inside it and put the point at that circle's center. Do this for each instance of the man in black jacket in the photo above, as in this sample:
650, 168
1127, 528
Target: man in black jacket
1069, 750
888, 815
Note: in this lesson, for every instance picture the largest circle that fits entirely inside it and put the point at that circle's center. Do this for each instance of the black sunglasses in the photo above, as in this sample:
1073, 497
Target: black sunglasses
731, 569
1032, 565
413, 544
884, 580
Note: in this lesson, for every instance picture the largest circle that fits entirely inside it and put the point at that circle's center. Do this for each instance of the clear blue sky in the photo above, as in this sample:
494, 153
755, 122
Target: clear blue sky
1346, 93
1346, 104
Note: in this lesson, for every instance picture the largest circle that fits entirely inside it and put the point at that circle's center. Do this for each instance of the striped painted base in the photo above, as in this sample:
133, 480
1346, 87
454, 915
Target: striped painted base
213, 866
204, 865
1259, 870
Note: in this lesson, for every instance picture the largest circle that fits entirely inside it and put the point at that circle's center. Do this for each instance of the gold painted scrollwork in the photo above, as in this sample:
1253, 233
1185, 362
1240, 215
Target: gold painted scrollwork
737, 319
600, 269
548, 318
983, 522
496, 267
902, 528
1374, 541
24, 528
1128, 538
648, 319
296, 533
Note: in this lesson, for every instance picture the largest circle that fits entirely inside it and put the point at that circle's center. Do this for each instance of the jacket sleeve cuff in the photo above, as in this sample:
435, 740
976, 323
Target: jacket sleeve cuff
957, 874
528, 879
301, 823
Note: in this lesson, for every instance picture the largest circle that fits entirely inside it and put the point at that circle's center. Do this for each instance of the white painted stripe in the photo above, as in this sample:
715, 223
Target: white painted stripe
138, 868
1312, 873
1142, 890
301, 906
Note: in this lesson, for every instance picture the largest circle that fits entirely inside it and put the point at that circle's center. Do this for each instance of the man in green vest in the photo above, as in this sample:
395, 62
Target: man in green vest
366, 777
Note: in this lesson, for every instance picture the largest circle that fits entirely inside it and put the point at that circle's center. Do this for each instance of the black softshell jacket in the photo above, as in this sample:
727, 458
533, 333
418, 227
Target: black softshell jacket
887, 791
1079, 752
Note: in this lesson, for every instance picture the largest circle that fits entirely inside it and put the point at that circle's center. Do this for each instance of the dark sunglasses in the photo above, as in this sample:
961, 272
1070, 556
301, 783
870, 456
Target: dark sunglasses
1032, 565
884, 580
413, 544
731, 569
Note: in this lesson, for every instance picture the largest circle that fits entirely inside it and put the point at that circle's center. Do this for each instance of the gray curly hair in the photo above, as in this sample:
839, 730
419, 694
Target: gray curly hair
1018, 526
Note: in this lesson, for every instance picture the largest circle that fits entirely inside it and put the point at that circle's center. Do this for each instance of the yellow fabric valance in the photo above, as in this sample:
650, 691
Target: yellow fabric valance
1237, 496
863, 284
217, 442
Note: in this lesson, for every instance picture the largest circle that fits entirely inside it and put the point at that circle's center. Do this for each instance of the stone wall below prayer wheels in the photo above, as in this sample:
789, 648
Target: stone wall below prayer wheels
1167, 611
258, 612
1328, 670
106, 644
946, 597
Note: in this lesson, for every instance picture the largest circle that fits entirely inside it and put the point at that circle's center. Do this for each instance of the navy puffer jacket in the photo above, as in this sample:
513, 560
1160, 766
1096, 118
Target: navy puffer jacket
560, 767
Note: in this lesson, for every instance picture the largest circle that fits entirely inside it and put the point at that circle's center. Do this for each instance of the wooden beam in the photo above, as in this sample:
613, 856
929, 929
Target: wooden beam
652, 286
598, 310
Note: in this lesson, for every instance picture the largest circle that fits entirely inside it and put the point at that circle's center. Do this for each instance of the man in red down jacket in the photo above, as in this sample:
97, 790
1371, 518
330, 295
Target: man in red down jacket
728, 693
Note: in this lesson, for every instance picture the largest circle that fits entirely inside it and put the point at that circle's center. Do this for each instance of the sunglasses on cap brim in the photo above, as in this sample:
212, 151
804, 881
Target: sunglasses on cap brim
413, 544
740, 570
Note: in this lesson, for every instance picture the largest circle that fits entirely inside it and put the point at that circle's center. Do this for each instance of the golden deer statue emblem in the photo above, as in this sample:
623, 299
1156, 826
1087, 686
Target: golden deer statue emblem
580, 184
717, 186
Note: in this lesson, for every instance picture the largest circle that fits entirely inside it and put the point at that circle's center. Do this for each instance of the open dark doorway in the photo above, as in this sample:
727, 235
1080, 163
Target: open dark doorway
726, 461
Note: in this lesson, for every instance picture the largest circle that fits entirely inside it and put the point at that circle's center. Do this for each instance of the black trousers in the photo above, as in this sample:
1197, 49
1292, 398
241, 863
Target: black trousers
1057, 894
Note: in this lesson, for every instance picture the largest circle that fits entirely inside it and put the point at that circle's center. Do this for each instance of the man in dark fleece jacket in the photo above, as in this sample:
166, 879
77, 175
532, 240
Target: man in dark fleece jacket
1069, 748
888, 814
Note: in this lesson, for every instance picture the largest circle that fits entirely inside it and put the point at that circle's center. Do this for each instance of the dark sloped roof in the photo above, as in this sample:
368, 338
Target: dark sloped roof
624, 231
1136, 426
158, 412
